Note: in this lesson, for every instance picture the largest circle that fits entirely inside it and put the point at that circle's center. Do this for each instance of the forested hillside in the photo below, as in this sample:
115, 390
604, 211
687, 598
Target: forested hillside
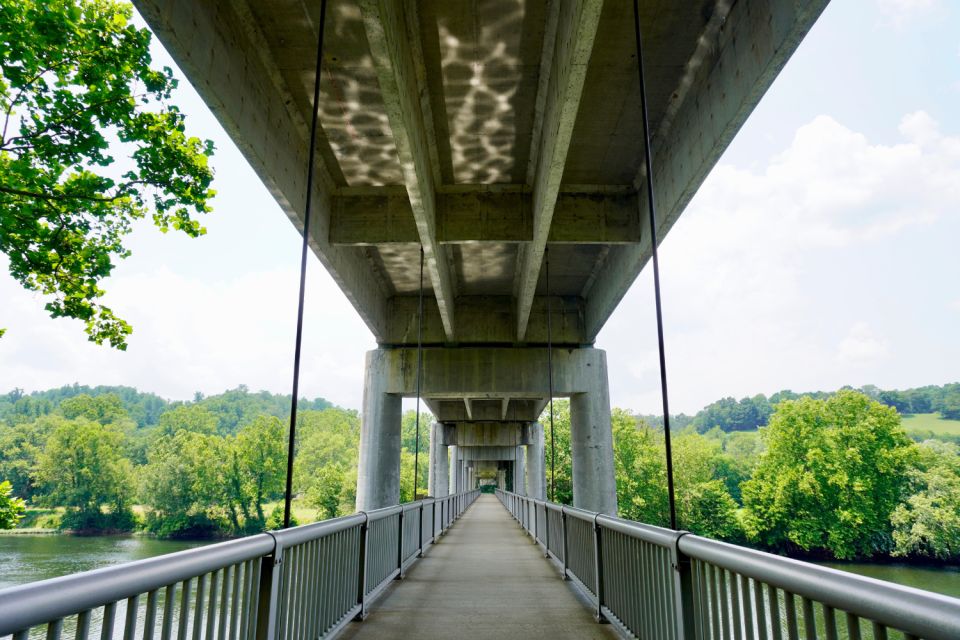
114, 458
748, 414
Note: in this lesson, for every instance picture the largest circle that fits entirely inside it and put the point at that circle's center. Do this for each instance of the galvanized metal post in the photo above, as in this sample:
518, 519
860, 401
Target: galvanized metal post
362, 570
546, 524
269, 596
598, 570
420, 553
563, 525
683, 591
400, 545
534, 524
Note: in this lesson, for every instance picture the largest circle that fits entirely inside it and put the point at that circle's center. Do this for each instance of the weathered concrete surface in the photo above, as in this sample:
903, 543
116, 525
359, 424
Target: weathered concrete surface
536, 469
485, 132
484, 579
439, 472
378, 470
591, 446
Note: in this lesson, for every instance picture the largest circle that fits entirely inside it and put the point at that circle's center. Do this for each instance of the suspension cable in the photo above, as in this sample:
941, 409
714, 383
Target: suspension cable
416, 450
656, 268
553, 441
291, 438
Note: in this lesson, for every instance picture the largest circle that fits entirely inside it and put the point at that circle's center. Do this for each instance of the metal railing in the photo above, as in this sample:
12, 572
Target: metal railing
297, 584
657, 583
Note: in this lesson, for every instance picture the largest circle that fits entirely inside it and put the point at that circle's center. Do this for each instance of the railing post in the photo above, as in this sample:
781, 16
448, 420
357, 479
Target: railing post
598, 570
683, 590
400, 545
362, 570
546, 524
563, 526
536, 525
268, 601
420, 553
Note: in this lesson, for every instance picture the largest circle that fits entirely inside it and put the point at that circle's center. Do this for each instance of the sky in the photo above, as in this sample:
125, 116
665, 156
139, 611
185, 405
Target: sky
821, 251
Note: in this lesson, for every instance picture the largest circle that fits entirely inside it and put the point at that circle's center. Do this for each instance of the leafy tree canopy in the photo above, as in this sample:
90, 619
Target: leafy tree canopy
76, 88
833, 472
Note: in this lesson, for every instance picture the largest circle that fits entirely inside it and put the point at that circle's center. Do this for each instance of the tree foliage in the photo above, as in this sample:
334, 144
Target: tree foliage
833, 473
12, 508
927, 524
76, 90
82, 467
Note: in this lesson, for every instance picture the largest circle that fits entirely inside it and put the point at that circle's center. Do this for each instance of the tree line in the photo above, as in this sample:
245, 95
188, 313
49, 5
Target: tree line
116, 459
829, 476
729, 414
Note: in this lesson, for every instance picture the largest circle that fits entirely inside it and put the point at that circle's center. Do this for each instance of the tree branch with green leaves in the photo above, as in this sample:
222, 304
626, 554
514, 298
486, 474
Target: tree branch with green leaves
77, 87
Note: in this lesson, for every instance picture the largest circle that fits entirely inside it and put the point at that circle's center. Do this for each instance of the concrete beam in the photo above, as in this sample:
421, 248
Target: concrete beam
384, 216
486, 320
576, 29
467, 406
495, 372
247, 94
390, 30
733, 70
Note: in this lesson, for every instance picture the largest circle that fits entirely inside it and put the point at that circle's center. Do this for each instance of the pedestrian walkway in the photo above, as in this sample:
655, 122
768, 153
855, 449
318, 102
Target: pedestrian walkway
484, 579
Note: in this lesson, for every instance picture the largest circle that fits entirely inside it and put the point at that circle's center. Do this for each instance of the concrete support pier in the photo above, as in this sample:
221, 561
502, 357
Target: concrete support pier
520, 472
378, 469
484, 400
438, 484
453, 469
536, 469
591, 444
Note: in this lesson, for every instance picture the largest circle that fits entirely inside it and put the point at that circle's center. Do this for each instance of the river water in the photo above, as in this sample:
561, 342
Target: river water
27, 558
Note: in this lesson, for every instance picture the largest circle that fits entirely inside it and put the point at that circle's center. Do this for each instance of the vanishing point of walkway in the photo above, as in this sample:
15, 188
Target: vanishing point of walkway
484, 579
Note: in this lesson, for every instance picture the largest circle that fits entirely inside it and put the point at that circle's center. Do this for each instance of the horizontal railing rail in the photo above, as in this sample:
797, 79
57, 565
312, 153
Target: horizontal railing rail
653, 582
305, 582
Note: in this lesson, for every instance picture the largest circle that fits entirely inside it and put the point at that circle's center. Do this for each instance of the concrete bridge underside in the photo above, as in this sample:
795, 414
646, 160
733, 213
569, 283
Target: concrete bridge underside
492, 135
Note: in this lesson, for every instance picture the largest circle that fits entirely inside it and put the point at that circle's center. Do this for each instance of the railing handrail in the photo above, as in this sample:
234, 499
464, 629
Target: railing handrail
26, 605
925, 613
917, 612
36, 603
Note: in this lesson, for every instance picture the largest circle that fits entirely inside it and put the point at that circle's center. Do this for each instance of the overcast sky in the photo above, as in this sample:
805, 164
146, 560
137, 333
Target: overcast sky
823, 250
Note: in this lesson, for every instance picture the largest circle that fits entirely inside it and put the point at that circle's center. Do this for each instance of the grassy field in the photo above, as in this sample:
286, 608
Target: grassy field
931, 422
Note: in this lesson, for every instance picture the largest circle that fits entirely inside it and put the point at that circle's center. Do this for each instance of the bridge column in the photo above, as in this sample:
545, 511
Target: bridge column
453, 469
519, 472
439, 480
591, 444
378, 470
536, 469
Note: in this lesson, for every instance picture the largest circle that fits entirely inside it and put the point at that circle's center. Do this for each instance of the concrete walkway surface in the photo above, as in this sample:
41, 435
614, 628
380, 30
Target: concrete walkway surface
484, 579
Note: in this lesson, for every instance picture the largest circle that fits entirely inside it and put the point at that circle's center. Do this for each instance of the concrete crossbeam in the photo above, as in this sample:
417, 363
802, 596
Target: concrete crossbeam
588, 217
486, 320
389, 31
576, 29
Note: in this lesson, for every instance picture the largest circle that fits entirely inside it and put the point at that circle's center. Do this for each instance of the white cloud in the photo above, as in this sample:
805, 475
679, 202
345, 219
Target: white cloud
900, 12
862, 344
767, 268
194, 335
